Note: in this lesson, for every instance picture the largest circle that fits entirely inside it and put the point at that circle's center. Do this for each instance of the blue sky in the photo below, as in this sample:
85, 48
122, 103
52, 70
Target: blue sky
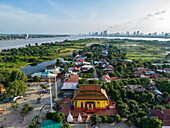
83, 16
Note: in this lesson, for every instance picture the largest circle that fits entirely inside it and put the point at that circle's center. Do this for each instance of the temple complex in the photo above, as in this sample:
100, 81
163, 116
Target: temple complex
90, 98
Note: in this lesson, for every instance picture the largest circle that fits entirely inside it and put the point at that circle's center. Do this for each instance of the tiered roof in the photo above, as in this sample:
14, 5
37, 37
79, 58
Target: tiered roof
90, 92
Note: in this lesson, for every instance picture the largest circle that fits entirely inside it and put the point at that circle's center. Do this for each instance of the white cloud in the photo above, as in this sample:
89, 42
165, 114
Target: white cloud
15, 20
153, 22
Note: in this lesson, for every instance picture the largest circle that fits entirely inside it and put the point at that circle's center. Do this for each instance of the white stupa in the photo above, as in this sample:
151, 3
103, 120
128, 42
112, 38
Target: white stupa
69, 117
80, 118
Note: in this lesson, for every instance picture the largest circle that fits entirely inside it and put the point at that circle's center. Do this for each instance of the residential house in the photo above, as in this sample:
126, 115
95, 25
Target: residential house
163, 115
104, 53
70, 84
106, 78
79, 62
134, 88
87, 67
109, 69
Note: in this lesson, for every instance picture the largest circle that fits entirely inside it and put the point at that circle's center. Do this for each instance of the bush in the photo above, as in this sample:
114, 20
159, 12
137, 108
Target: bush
95, 119
117, 118
104, 119
66, 125
43, 86
36, 78
109, 120
26, 108
58, 117
49, 115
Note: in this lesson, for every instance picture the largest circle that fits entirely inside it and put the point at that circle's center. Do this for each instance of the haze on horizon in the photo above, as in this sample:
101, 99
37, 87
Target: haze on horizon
83, 16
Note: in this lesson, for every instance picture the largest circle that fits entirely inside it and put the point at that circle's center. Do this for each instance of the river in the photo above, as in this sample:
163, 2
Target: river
28, 69
7, 44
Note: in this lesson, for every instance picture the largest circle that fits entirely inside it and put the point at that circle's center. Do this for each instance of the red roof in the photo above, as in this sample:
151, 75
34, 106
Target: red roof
114, 78
106, 78
110, 71
109, 67
167, 69
140, 73
84, 70
81, 60
163, 115
58, 75
144, 69
73, 78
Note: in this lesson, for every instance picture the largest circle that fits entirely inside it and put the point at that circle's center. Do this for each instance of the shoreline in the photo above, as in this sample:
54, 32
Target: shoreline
34, 38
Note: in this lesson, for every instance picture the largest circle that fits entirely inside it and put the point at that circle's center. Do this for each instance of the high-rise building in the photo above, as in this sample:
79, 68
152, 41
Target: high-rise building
127, 33
137, 33
105, 33
134, 33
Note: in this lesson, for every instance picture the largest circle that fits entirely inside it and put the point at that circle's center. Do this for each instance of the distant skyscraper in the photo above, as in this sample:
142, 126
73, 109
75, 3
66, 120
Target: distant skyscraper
134, 33
163, 34
127, 33
137, 33
105, 33
27, 36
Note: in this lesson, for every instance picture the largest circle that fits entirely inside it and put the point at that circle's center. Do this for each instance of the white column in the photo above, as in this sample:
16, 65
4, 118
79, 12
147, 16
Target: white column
51, 102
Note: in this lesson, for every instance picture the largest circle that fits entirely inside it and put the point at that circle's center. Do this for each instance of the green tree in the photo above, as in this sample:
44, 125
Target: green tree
58, 116
133, 106
2, 80
58, 63
117, 118
36, 78
16, 88
17, 75
109, 120
115, 94
123, 109
15, 106
66, 125
49, 115
104, 119
95, 119
155, 122
165, 96
43, 86
83, 81
160, 107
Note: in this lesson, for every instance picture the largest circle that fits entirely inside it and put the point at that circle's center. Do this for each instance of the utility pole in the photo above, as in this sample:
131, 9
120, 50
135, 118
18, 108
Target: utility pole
55, 83
51, 102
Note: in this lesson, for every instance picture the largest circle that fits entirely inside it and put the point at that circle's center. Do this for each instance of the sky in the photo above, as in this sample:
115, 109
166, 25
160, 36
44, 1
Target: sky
83, 16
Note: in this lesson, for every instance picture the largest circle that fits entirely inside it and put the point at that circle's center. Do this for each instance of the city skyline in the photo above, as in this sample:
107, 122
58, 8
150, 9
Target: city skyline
73, 17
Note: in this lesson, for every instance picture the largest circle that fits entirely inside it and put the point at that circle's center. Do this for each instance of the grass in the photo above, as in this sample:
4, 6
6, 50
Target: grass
145, 56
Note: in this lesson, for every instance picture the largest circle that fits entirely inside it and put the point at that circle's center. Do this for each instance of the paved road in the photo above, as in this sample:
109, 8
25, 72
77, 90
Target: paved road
95, 72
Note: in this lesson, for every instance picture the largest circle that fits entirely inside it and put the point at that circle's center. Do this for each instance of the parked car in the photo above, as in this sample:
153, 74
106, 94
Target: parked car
12, 98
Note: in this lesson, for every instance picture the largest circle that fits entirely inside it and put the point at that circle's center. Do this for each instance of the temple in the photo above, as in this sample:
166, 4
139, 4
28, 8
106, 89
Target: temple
90, 98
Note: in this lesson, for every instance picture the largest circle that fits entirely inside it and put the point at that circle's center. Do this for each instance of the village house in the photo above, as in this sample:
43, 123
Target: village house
163, 115
70, 84
134, 88
106, 78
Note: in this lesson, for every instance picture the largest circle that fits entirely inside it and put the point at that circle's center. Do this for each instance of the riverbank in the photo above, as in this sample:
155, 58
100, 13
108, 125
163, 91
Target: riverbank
31, 59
